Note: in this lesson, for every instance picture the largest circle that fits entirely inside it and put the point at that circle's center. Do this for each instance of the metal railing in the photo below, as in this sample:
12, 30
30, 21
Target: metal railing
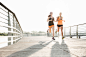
76, 30
10, 29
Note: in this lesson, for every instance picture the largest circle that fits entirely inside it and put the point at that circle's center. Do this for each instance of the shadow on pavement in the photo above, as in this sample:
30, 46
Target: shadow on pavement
60, 50
30, 50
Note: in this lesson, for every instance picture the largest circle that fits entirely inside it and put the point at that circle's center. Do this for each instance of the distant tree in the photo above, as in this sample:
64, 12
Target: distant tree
41, 32
34, 32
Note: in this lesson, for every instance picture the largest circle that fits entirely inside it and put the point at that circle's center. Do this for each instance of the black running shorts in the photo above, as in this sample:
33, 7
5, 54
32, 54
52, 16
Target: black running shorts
59, 25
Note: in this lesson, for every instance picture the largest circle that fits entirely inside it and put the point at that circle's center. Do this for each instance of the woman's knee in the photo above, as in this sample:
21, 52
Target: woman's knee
58, 30
49, 30
61, 28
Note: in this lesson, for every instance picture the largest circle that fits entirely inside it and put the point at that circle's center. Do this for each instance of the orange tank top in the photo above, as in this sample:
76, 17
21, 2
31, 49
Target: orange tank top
60, 21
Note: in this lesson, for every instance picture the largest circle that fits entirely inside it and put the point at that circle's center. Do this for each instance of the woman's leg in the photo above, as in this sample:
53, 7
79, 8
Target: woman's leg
57, 29
53, 30
49, 29
62, 30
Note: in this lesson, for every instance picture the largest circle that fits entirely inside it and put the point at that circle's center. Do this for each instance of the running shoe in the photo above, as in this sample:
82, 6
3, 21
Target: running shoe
53, 38
62, 37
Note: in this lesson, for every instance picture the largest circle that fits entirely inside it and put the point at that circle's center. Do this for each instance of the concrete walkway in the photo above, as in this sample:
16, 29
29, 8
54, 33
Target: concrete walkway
42, 46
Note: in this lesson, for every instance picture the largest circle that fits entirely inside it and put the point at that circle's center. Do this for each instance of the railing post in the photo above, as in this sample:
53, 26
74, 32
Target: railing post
13, 25
70, 32
77, 31
9, 29
13, 29
8, 19
13, 21
9, 24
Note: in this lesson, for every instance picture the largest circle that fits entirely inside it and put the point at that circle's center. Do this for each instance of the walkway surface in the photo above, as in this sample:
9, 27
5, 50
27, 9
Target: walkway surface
42, 46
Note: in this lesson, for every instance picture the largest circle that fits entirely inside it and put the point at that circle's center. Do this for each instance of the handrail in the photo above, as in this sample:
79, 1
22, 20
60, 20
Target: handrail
9, 11
76, 31
10, 29
75, 25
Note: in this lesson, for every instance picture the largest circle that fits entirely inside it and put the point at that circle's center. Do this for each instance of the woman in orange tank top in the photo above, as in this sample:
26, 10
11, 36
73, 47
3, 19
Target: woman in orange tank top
60, 24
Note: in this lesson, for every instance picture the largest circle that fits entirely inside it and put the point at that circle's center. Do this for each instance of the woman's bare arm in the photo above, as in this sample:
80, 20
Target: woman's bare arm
54, 19
62, 19
58, 18
48, 19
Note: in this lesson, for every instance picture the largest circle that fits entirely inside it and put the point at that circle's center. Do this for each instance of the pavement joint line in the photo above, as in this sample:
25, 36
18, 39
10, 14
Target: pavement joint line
71, 53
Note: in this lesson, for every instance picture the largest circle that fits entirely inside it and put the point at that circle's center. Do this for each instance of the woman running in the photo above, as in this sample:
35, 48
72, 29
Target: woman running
60, 24
51, 24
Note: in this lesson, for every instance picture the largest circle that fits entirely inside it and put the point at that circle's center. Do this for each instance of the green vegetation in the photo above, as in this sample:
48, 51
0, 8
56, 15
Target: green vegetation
3, 34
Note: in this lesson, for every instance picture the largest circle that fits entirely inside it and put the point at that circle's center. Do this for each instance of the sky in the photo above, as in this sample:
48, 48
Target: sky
32, 14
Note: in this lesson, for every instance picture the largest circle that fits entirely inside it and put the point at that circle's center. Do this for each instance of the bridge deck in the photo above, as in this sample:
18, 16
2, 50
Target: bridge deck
42, 46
